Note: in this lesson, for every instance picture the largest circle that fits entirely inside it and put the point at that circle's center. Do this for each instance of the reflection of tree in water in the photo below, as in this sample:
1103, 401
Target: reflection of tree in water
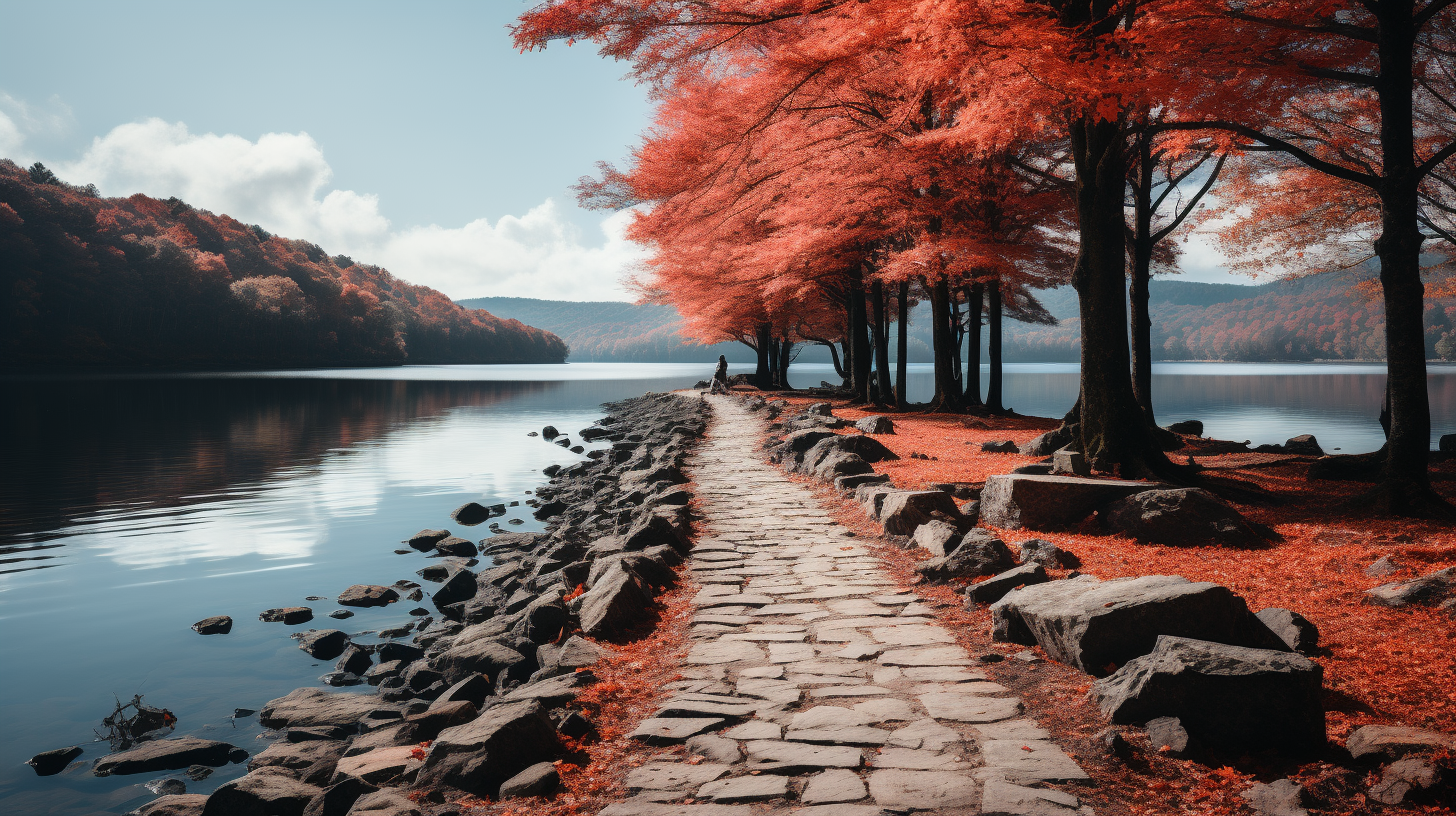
70, 447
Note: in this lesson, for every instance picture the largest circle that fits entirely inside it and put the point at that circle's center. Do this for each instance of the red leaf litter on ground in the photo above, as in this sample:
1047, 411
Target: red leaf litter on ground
1386, 666
628, 689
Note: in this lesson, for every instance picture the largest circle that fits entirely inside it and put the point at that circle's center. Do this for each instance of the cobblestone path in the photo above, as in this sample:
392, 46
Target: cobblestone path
813, 685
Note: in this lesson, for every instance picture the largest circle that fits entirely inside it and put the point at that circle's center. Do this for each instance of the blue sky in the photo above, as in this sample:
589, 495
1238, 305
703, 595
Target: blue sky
410, 135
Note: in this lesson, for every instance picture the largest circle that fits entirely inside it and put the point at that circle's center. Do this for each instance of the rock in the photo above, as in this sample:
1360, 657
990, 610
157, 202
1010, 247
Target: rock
289, 615
574, 726
923, 790
1293, 628
312, 761
1049, 502
217, 625
673, 775
1188, 427
338, 798
187, 804
937, 536
819, 409
615, 603
168, 755
316, 708
1099, 625
1402, 777
870, 450
1303, 445
745, 789
979, 553
1227, 697
478, 756
1067, 461
1186, 516
777, 756
425, 540
1050, 441
673, 730
378, 766
467, 657
1383, 566
341, 614
324, 644
851, 483
50, 763
537, 780
1427, 590
1278, 798
996, 587
1005, 446
269, 792
839, 463
368, 595
715, 748
471, 514
550, 432
1002, 798
1447, 443
832, 787
1169, 733
875, 425
457, 547
385, 802
460, 586
1395, 741
652, 530
904, 511
1048, 555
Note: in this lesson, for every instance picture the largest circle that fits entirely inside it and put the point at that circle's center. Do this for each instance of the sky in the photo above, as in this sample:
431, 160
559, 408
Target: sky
412, 136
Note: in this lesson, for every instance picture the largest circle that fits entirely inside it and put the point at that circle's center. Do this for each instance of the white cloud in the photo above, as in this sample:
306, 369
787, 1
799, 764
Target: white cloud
19, 121
281, 182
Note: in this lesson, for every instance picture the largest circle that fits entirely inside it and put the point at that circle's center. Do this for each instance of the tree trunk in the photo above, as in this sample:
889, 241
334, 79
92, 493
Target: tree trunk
859, 340
882, 343
1115, 437
763, 338
902, 339
993, 341
773, 362
1405, 484
786, 351
947, 390
975, 298
1142, 270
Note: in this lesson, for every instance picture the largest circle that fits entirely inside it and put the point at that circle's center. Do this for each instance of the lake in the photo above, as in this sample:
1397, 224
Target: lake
131, 507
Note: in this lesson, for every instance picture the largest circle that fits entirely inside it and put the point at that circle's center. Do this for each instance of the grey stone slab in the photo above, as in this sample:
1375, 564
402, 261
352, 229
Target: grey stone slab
763, 672
972, 687
745, 789
860, 607
935, 656
926, 733
915, 759
885, 675
826, 692
827, 716
670, 775
887, 709
922, 789
911, 635
756, 730
679, 708
779, 756
721, 619
943, 674
858, 623
1011, 730
841, 735
767, 637
859, 651
834, 786
829, 667
1001, 798
724, 651
786, 609
665, 809
775, 691
790, 652
838, 810
672, 730
1045, 762
715, 749
970, 708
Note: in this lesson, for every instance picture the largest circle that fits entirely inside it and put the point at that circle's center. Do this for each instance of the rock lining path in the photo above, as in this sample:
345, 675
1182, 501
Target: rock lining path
814, 685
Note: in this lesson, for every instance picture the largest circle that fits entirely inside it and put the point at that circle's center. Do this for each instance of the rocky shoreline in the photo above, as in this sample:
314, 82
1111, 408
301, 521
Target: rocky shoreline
475, 697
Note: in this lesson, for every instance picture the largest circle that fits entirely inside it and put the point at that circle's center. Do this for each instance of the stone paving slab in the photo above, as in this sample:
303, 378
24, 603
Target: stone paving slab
815, 687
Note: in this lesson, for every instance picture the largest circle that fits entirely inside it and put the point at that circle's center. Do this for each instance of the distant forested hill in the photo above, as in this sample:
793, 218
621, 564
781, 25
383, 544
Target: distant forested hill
94, 281
1327, 316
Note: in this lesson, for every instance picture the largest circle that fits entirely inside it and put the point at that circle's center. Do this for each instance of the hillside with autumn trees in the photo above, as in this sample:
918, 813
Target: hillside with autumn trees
139, 282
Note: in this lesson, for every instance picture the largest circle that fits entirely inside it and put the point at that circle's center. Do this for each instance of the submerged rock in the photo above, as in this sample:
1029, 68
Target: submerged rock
50, 763
368, 595
168, 755
218, 625
290, 615
324, 644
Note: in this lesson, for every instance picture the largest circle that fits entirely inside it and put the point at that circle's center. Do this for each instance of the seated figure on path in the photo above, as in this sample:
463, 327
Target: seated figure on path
720, 377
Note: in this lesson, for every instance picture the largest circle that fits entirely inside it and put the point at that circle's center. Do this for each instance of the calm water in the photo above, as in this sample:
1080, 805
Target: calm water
130, 508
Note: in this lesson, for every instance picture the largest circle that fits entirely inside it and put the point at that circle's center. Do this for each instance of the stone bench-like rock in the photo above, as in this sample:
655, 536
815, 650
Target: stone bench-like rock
1185, 516
503, 741
1227, 697
903, 511
1097, 626
1036, 502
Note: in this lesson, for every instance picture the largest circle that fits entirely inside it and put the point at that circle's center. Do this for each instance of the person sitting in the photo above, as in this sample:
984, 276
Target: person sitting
720, 377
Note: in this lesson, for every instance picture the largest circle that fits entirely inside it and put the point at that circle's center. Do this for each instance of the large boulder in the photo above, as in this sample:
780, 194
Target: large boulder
1050, 441
1097, 626
1386, 742
615, 603
995, 588
460, 586
1035, 502
1293, 628
979, 553
385, 802
1188, 427
839, 463
478, 756
1427, 590
471, 514
1304, 445
653, 530
938, 536
1048, 554
323, 644
268, 792
1185, 516
168, 755
792, 447
905, 510
312, 761
484, 655
368, 595
316, 708
176, 804
1227, 697
875, 425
